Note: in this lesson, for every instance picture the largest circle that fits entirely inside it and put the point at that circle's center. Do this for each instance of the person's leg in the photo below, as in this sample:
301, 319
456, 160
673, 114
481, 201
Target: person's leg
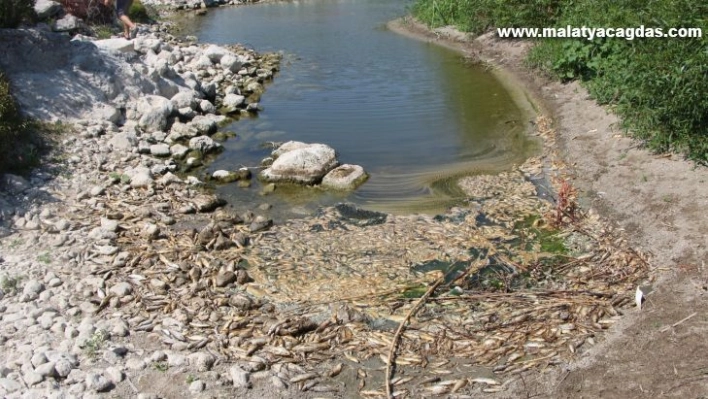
122, 7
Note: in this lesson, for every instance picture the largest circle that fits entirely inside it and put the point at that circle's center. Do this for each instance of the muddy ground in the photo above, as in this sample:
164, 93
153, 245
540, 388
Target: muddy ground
659, 199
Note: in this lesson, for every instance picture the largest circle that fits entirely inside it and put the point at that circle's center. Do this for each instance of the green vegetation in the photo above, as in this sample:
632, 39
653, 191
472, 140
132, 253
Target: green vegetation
15, 12
10, 284
161, 366
657, 86
94, 344
139, 13
20, 143
414, 292
45, 258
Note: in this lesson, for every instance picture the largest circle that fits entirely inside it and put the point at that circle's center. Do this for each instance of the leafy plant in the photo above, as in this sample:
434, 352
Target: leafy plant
14, 12
161, 366
45, 258
10, 284
656, 85
94, 344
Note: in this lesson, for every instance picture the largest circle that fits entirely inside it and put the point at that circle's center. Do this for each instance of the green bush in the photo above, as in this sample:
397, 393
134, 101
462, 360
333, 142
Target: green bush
138, 12
18, 149
657, 86
14, 12
477, 16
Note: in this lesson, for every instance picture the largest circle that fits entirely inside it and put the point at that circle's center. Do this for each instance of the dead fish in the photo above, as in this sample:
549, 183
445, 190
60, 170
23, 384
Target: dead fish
335, 370
487, 381
303, 377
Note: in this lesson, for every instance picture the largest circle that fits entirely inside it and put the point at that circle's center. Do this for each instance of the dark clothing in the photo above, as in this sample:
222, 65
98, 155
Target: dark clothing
122, 7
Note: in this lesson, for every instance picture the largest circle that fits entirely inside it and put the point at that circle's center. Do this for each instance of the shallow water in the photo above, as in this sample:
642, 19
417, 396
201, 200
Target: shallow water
414, 115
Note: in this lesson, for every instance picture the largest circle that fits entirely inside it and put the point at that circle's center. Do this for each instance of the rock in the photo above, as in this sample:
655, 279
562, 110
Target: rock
207, 107
38, 359
208, 203
120, 45
306, 165
32, 378
10, 385
122, 289
103, 112
135, 364
97, 190
68, 23
345, 177
239, 377
114, 375
233, 102
268, 189
46, 9
98, 383
231, 63
204, 144
151, 230
278, 382
254, 87
123, 141
63, 367
179, 151
197, 386
160, 150
224, 279
141, 180
33, 288
180, 131
153, 111
109, 224
202, 361
185, 99
207, 124
225, 176
214, 53
287, 147
46, 370
169, 178
260, 223
62, 225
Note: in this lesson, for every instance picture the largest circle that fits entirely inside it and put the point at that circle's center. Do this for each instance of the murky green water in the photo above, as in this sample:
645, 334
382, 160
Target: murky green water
413, 114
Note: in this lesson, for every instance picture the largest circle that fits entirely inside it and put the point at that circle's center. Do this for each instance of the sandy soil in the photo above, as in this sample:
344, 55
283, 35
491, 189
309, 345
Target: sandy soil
658, 199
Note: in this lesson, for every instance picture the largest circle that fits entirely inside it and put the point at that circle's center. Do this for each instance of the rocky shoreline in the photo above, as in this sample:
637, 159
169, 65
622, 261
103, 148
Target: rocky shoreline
120, 278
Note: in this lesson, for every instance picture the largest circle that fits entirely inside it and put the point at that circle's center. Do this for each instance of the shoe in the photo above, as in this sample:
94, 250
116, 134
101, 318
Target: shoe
134, 32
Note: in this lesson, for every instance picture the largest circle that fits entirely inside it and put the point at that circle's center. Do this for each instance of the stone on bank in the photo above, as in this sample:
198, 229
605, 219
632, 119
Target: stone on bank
304, 163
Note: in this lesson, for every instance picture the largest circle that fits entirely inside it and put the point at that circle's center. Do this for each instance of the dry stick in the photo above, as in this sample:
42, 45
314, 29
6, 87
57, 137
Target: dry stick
667, 328
397, 336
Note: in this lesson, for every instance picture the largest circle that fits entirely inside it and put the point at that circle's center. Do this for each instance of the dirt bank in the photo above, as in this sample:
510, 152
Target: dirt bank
658, 199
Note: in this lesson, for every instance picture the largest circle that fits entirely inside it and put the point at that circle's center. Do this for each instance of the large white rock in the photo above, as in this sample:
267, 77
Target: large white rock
154, 111
302, 165
46, 9
67, 23
105, 112
288, 146
345, 177
215, 53
205, 144
185, 99
231, 62
232, 102
180, 131
120, 45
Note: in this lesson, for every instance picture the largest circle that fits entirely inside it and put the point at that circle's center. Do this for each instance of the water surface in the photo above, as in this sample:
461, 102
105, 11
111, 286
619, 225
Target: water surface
413, 114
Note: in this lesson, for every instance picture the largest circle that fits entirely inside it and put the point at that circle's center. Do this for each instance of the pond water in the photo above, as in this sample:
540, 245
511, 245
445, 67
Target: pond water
415, 115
